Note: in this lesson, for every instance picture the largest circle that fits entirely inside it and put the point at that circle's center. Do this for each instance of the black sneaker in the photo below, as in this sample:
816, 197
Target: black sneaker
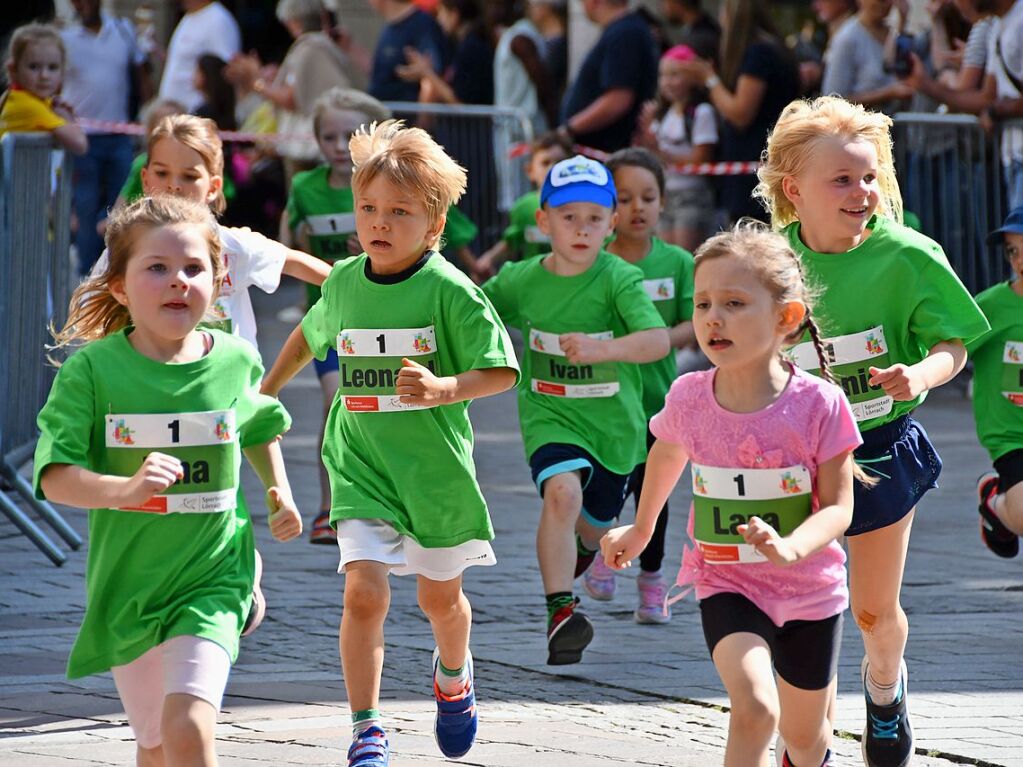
568, 633
888, 737
996, 536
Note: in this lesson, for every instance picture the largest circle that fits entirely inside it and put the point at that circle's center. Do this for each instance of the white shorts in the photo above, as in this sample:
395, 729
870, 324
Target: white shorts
183, 664
376, 541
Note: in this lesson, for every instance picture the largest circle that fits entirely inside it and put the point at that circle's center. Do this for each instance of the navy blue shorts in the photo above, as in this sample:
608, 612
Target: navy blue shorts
1010, 470
901, 456
604, 491
329, 365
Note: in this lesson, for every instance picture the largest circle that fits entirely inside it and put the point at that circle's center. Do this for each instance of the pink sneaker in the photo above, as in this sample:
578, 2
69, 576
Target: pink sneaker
652, 591
599, 580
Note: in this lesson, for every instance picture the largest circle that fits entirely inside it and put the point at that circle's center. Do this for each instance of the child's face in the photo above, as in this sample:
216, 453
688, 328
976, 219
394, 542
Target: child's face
40, 69
577, 230
837, 192
672, 80
542, 161
1014, 252
335, 131
639, 202
178, 170
735, 317
393, 225
168, 281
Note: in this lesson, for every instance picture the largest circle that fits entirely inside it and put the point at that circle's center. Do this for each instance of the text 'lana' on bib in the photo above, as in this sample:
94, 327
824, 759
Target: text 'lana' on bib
205, 443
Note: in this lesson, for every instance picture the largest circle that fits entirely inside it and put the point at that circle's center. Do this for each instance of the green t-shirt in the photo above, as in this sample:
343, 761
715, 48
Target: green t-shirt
522, 234
998, 372
459, 230
154, 576
597, 407
668, 280
886, 301
411, 467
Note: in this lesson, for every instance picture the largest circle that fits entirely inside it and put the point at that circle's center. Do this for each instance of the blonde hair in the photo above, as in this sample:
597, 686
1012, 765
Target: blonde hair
790, 149
769, 256
200, 135
94, 312
410, 159
28, 35
348, 100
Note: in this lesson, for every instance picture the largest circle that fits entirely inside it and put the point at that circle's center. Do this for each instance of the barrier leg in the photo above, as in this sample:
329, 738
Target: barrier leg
31, 531
43, 509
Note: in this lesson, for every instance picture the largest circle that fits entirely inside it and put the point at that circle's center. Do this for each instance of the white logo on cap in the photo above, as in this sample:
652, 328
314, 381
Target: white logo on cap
578, 169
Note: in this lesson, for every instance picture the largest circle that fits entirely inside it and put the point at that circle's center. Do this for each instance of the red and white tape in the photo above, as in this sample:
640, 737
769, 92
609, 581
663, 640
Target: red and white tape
727, 168
136, 129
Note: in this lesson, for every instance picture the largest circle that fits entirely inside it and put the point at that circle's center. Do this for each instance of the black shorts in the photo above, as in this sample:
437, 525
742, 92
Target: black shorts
1010, 470
805, 653
900, 455
604, 491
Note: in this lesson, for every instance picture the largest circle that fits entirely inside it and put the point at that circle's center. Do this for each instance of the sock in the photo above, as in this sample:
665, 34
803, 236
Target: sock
556, 601
451, 681
883, 694
580, 547
363, 720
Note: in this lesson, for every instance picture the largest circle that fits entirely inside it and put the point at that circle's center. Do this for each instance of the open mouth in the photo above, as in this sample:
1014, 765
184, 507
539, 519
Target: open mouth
637, 222
380, 244
719, 343
859, 212
175, 305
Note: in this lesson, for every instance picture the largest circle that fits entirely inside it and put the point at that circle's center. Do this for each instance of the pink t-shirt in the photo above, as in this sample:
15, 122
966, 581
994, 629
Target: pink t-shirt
809, 424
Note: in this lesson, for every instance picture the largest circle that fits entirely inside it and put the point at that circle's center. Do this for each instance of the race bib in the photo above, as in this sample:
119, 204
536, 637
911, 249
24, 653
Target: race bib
553, 375
850, 358
369, 362
206, 445
330, 224
1012, 372
723, 499
660, 290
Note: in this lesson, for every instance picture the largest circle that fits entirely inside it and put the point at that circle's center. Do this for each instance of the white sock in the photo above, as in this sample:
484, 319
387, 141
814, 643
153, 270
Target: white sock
883, 694
452, 681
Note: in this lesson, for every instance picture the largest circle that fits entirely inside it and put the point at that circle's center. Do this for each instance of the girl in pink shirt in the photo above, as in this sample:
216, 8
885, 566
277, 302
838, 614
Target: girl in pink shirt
771, 452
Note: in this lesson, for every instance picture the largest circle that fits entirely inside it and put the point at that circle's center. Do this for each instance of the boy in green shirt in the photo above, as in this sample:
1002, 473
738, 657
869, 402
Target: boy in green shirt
587, 321
417, 341
522, 238
998, 397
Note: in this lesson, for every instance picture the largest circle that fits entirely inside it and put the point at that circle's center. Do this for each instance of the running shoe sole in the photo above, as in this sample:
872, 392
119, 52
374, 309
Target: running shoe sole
322, 532
565, 646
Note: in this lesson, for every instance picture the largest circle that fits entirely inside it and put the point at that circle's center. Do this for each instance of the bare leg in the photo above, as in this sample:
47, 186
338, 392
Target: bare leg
1008, 507
805, 726
149, 757
188, 727
555, 537
450, 614
743, 662
367, 599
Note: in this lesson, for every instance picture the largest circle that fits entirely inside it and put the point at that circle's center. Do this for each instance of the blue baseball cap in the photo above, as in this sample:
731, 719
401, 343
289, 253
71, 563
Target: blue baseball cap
1013, 224
579, 179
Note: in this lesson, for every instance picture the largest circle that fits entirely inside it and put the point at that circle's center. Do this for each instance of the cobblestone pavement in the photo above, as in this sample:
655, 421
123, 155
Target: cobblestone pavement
645, 695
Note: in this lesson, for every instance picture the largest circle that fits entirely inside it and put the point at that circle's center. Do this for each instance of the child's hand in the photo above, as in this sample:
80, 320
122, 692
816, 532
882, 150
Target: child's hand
900, 382
765, 540
417, 385
621, 545
579, 348
157, 472
285, 521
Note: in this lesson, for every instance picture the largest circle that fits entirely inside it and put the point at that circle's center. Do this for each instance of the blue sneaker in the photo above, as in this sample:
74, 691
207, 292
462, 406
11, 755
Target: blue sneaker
887, 738
369, 749
457, 718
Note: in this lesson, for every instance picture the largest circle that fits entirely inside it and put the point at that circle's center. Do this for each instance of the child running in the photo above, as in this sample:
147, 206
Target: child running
522, 238
417, 341
151, 415
998, 396
897, 317
586, 320
668, 281
35, 70
771, 451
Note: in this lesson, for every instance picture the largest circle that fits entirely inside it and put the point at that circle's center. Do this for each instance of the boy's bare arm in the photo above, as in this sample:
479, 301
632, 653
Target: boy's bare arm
294, 356
416, 385
641, 346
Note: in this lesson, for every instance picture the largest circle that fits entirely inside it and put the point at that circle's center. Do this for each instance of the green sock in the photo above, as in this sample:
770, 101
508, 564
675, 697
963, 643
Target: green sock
363, 720
556, 601
581, 549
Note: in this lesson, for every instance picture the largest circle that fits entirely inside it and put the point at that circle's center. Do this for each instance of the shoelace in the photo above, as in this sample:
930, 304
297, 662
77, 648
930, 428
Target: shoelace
885, 729
866, 464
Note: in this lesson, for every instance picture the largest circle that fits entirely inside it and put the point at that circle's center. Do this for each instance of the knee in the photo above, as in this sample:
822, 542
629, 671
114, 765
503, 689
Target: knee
366, 599
562, 497
184, 735
437, 603
801, 736
880, 620
755, 715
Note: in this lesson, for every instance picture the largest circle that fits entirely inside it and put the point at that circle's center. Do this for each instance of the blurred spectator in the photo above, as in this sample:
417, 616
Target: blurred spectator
758, 79
699, 29
313, 65
617, 76
469, 78
965, 91
407, 27
856, 62
832, 15
551, 18
218, 100
103, 60
207, 27
521, 78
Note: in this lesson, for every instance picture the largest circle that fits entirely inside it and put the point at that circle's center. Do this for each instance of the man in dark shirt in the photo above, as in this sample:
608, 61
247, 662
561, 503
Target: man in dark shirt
407, 27
617, 76
699, 30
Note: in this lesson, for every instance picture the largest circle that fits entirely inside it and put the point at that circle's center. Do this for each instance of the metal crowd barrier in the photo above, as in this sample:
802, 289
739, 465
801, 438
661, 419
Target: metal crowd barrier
480, 139
36, 280
950, 173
